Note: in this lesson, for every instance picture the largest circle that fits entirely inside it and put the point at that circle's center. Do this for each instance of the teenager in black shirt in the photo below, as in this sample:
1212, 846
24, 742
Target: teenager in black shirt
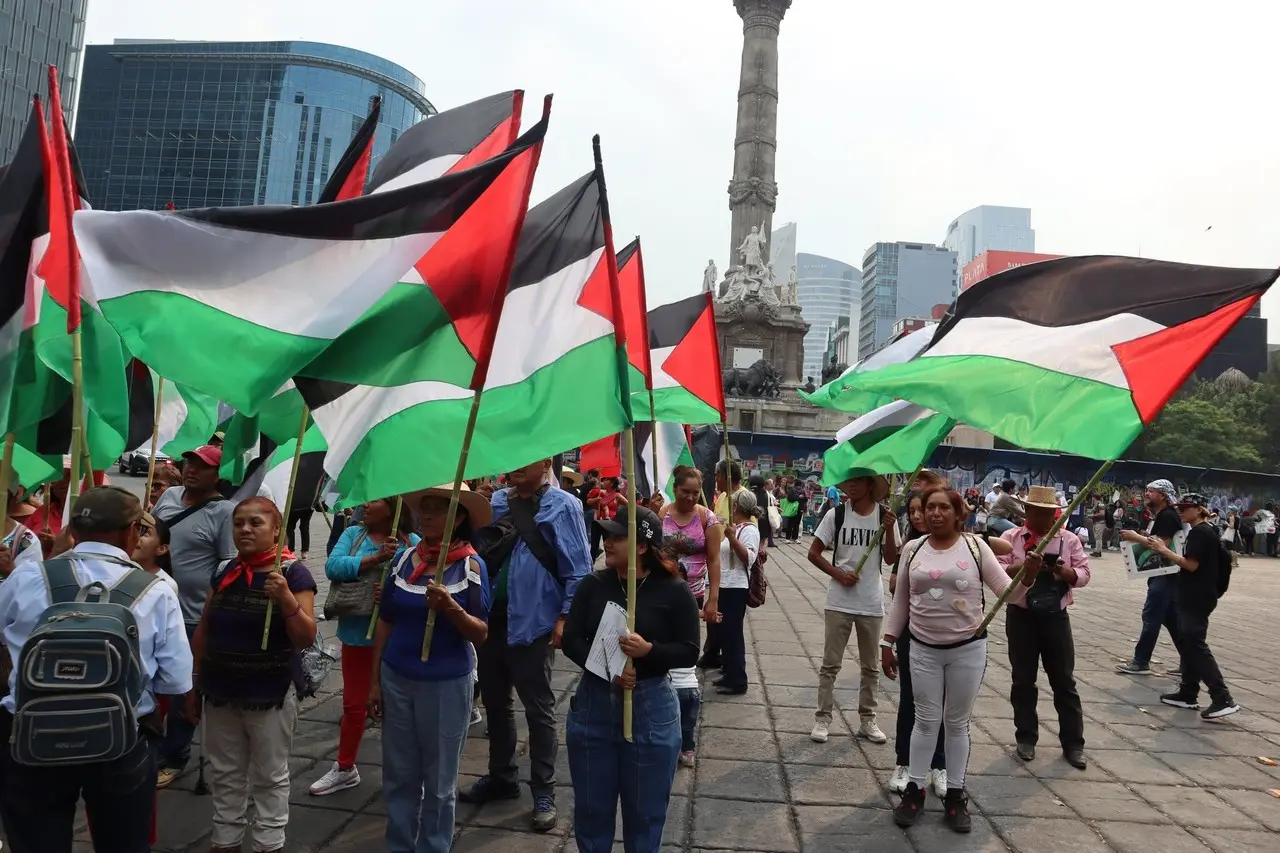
604, 765
1201, 563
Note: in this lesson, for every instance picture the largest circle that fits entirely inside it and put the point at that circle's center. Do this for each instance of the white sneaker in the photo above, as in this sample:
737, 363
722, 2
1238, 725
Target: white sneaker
898, 781
871, 732
476, 717
820, 732
335, 780
938, 782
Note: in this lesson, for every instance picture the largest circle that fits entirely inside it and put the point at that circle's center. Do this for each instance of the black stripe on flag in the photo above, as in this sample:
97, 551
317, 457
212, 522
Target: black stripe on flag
455, 131
560, 231
357, 152
22, 218
627, 252
669, 324
142, 405
1071, 291
428, 207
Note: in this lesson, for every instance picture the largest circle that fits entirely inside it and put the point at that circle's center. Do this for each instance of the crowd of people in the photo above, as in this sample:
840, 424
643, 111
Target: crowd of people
436, 623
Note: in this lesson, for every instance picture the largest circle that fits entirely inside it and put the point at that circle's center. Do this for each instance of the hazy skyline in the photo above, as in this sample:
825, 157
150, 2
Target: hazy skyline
1126, 128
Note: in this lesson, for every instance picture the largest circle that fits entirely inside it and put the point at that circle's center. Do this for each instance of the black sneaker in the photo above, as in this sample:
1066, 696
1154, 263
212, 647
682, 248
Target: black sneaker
1219, 709
910, 807
486, 789
1180, 699
956, 810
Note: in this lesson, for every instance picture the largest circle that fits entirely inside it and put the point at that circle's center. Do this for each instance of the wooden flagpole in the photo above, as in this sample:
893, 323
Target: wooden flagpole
628, 698
894, 507
284, 518
6, 471
395, 534
155, 442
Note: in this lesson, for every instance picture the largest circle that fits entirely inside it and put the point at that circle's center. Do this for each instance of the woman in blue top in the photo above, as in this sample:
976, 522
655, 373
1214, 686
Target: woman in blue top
361, 552
425, 706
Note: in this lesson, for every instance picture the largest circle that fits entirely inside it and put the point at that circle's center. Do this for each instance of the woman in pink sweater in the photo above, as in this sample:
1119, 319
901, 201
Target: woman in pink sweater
943, 601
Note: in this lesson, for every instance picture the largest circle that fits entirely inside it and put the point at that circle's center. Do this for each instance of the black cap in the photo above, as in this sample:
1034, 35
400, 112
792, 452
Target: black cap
648, 527
105, 509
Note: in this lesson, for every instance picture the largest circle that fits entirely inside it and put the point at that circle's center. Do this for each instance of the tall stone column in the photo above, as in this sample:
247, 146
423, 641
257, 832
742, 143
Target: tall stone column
753, 192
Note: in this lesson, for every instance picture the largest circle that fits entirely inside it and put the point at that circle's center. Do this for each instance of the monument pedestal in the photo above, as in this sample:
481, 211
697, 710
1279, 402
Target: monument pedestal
751, 329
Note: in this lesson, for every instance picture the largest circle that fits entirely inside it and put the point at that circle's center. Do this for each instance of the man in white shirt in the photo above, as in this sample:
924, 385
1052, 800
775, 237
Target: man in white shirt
38, 804
855, 599
992, 495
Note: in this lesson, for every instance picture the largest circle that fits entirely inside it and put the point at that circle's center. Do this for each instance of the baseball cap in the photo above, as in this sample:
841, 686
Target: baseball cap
1193, 499
648, 527
208, 454
104, 509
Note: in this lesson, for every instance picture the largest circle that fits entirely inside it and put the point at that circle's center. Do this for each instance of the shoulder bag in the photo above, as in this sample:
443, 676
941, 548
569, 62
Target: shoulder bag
352, 598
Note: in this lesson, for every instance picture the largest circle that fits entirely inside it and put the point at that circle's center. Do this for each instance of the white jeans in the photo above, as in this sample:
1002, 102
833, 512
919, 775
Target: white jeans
249, 759
955, 674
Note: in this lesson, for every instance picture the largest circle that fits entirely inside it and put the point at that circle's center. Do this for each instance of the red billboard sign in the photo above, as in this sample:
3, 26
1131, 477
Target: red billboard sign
989, 263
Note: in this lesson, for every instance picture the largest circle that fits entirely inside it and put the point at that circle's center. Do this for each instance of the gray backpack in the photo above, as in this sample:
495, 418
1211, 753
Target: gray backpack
80, 674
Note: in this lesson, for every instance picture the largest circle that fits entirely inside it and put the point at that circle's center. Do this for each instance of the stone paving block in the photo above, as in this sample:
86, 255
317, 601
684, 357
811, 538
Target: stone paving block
740, 780
800, 721
932, 834
353, 799
313, 828
1236, 840
183, 820
1044, 835
743, 825
736, 744
840, 751
990, 760
1005, 795
486, 840
1104, 801
1143, 838
812, 784
1257, 804
1050, 764
1224, 771
1196, 807
1135, 768
824, 828
723, 715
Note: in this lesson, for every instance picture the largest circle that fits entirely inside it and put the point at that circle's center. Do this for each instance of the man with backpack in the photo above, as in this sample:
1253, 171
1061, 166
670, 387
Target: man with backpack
109, 638
533, 586
1205, 573
199, 520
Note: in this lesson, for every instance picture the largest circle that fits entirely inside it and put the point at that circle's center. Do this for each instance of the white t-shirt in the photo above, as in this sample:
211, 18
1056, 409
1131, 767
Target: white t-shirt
684, 678
866, 597
733, 574
991, 497
167, 578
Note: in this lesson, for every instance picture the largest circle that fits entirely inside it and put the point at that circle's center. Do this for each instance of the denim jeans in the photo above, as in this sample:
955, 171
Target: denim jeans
999, 525
38, 804
424, 727
1159, 609
174, 750
690, 706
606, 769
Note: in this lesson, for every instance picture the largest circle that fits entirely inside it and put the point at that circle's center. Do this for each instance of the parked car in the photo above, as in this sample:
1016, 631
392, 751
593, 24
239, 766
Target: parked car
137, 462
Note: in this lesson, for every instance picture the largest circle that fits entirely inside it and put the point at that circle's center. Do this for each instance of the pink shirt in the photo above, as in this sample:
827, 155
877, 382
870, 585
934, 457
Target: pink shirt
941, 601
1066, 544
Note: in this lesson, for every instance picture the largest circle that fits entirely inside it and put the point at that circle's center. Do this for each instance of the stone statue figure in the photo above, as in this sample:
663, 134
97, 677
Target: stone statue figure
752, 250
809, 387
709, 276
735, 285
768, 287
793, 288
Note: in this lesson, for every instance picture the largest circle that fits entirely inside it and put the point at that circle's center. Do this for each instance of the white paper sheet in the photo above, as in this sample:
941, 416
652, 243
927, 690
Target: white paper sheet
607, 658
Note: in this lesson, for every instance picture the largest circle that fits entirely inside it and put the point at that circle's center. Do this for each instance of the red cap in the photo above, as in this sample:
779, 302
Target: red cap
209, 455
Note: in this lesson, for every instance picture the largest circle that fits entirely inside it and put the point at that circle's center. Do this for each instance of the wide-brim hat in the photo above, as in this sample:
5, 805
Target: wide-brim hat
21, 510
479, 513
567, 473
1042, 496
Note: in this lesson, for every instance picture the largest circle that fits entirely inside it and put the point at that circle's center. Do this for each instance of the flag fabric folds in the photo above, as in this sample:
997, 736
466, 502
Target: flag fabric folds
893, 439
684, 349
1075, 355
669, 443
842, 395
187, 417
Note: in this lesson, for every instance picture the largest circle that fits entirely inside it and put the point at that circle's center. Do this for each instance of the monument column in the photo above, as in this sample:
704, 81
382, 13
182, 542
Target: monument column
753, 192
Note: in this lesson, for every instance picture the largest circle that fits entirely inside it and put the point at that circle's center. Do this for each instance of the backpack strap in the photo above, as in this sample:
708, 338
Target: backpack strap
355, 546
839, 525
972, 542
60, 580
130, 589
524, 515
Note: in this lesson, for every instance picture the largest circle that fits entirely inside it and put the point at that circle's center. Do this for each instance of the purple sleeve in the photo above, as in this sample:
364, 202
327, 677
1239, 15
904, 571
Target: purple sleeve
299, 578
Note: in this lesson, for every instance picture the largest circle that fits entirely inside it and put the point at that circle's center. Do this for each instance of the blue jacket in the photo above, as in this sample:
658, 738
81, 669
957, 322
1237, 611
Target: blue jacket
342, 565
534, 600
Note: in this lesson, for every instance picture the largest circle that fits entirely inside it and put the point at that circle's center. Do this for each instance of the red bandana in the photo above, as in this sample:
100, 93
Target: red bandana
245, 566
429, 555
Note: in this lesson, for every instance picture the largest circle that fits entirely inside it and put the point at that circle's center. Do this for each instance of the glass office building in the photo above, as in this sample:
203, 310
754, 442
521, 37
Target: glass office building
35, 34
828, 291
901, 280
200, 124
990, 227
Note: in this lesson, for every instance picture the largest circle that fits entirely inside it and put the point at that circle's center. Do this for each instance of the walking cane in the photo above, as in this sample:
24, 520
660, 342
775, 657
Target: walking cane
201, 789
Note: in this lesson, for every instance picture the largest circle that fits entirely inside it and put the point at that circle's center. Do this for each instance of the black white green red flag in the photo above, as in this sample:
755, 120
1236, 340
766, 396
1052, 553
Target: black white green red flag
684, 352
894, 439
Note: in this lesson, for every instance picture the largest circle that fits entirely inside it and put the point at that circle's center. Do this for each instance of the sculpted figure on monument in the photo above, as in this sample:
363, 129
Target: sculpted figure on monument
752, 252
809, 387
793, 288
833, 370
734, 285
709, 277
759, 380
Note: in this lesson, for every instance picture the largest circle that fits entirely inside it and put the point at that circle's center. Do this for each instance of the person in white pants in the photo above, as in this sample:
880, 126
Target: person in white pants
939, 597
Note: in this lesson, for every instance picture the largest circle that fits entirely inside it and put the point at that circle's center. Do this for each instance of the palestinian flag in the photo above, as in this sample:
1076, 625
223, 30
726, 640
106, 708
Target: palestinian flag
352, 173
1076, 355
894, 439
275, 468
635, 320
248, 437
685, 353
662, 448
555, 375
187, 417
266, 289
841, 395
453, 286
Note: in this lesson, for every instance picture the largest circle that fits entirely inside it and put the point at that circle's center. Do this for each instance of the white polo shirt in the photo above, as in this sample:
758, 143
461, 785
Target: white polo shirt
162, 636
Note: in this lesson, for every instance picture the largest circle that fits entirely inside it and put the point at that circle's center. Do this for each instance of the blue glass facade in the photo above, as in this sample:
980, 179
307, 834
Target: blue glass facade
35, 34
200, 124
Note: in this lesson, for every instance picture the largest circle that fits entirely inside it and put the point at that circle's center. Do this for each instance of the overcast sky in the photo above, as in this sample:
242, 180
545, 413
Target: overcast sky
1127, 126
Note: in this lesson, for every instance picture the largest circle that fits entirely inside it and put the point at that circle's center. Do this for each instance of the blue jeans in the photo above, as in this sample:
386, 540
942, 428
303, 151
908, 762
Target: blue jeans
174, 750
1158, 610
606, 769
424, 727
690, 706
999, 525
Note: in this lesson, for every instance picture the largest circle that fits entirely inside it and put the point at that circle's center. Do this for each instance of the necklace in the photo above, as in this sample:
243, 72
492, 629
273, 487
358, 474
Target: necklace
623, 585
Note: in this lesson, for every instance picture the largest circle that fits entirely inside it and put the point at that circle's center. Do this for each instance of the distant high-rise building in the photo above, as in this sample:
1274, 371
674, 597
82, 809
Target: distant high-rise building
782, 252
901, 280
34, 35
200, 124
990, 227
828, 290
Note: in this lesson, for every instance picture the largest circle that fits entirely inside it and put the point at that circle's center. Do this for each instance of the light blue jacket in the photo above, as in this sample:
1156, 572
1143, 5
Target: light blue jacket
534, 600
343, 566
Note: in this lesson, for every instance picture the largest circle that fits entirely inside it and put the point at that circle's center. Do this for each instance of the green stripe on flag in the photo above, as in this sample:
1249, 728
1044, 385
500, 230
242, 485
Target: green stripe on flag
885, 451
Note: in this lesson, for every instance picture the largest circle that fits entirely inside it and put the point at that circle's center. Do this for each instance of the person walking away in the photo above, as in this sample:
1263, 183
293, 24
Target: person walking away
940, 599
1159, 608
1269, 528
1006, 511
532, 592
200, 540
425, 706
251, 694
610, 774
738, 552
359, 556
38, 803
855, 603
789, 508
1248, 530
1202, 577
1039, 629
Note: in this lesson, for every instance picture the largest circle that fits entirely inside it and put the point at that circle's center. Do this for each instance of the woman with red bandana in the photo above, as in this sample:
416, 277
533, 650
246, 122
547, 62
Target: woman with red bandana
250, 693
425, 705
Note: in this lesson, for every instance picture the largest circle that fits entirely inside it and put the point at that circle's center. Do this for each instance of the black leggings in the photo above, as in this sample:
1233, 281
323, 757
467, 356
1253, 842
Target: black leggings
303, 517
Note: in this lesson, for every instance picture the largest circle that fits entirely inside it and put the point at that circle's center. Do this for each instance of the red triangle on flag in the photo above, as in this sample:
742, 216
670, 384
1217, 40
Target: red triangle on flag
1158, 364
604, 455
692, 361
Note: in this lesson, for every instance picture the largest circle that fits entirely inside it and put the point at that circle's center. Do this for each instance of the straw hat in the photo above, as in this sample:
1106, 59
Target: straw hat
567, 473
879, 485
1042, 496
479, 513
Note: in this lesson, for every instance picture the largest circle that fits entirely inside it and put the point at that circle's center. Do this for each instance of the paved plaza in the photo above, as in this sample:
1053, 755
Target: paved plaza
1158, 779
